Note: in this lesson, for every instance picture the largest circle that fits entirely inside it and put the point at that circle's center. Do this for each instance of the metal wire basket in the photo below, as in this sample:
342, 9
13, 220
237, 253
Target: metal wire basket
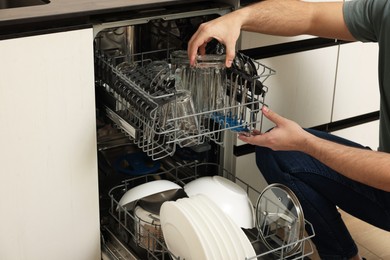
129, 226
141, 98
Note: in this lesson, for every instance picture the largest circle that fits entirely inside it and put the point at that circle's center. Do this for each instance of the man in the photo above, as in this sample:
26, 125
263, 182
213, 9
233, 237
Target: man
324, 171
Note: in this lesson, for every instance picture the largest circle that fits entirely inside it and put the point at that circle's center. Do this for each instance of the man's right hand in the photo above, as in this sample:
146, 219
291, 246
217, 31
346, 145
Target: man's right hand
225, 29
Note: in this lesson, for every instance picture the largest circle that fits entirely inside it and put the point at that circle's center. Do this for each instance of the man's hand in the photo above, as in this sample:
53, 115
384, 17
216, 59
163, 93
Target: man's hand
286, 135
225, 29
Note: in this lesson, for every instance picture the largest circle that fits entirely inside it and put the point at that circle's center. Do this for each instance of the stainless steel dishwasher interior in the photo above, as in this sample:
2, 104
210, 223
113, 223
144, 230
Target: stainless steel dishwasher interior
124, 38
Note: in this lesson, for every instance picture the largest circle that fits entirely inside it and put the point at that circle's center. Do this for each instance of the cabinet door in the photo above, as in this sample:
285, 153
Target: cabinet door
48, 182
365, 134
357, 89
253, 40
302, 88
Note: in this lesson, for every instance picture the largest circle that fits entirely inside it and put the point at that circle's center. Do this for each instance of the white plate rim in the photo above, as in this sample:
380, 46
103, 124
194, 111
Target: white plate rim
216, 236
167, 217
229, 245
235, 230
198, 224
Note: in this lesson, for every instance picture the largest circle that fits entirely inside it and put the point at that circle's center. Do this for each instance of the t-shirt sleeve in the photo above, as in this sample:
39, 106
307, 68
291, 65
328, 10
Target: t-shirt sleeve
364, 18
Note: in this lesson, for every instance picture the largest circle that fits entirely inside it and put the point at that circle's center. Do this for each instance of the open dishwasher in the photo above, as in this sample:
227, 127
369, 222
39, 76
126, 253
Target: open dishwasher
142, 137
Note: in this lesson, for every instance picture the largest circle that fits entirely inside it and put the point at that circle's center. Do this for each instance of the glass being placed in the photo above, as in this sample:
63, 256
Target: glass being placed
210, 87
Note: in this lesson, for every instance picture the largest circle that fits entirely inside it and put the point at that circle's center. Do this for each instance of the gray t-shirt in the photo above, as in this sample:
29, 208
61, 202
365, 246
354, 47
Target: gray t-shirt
369, 21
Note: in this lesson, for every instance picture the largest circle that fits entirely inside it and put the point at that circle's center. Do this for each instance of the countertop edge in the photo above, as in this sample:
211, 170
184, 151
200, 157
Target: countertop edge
67, 13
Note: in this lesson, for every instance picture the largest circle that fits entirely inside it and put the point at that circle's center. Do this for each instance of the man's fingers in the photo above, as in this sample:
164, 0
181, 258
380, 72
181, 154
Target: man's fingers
230, 54
274, 117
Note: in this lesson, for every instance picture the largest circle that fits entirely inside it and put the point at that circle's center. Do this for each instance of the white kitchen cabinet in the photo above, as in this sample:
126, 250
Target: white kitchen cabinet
356, 91
49, 199
254, 40
365, 134
303, 86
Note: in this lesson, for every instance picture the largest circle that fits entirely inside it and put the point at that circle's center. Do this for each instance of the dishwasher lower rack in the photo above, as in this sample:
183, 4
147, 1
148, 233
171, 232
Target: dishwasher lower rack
140, 97
147, 240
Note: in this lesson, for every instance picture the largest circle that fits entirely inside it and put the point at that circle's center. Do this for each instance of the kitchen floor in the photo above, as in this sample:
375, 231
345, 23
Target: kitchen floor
373, 243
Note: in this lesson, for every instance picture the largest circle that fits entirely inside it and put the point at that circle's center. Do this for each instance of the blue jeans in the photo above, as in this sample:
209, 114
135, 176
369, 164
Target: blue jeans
319, 190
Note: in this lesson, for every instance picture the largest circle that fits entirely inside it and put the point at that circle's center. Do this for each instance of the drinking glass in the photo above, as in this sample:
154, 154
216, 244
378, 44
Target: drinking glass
178, 118
187, 121
180, 67
210, 83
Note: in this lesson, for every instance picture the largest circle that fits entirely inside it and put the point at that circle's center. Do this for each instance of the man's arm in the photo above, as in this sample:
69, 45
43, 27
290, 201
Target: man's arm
365, 166
292, 17
369, 167
274, 17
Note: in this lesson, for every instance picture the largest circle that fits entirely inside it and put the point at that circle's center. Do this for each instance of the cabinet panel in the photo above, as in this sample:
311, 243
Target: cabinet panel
365, 134
357, 89
302, 89
253, 40
48, 183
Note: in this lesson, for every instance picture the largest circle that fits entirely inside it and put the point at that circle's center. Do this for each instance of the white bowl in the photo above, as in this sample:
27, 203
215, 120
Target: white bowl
146, 189
229, 196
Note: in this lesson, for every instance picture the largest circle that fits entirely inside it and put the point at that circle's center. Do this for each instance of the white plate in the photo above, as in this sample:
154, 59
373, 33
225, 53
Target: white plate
180, 234
210, 238
241, 240
225, 242
146, 189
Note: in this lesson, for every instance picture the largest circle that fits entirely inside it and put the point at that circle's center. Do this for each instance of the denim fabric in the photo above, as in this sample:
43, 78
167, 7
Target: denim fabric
320, 190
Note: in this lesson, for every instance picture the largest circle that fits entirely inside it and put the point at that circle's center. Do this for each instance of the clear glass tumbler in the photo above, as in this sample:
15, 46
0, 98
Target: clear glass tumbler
210, 83
180, 67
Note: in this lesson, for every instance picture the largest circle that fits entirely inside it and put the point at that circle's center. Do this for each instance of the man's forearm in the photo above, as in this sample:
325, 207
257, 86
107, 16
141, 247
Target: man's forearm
292, 17
365, 166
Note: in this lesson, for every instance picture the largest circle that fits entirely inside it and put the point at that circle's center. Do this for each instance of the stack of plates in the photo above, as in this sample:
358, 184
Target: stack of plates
196, 228
231, 198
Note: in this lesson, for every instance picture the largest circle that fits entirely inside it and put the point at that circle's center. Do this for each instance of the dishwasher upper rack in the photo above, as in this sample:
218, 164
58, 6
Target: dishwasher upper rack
141, 97
125, 220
